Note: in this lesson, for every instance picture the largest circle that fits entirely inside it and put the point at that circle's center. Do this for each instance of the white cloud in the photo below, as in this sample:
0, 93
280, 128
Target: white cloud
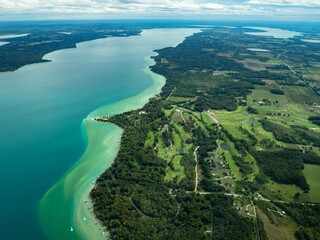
306, 3
116, 5
148, 7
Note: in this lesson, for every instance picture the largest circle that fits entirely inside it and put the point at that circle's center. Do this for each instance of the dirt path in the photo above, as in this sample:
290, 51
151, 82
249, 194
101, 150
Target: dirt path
171, 94
185, 122
196, 168
135, 206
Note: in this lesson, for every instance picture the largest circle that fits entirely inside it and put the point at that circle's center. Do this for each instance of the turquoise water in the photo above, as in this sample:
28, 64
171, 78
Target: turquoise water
42, 111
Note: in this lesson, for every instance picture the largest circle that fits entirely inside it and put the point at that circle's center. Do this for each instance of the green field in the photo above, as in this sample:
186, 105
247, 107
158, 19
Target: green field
264, 93
286, 192
301, 94
150, 140
312, 173
177, 172
254, 64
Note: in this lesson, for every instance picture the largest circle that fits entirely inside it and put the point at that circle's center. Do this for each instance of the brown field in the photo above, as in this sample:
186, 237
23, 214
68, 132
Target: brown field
283, 229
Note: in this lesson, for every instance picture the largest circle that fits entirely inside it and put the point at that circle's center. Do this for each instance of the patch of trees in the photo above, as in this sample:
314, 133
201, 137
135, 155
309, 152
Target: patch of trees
278, 67
252, 110
277, 91
154, 200
215, 102
244, 166
284, 166
295, 134
167, 137
191, 55
246, 187
307, 216
187, 161
281, 133
228, 224
315, 120
253, 139
257, 76
309, 136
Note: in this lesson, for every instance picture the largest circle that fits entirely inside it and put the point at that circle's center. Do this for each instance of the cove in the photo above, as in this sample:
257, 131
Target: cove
46, 130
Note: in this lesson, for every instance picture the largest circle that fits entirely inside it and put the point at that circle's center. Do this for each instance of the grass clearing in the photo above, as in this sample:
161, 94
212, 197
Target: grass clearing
150, 140
312, 174
279, 191
181, 99
255, 167
206, 119
200, 124
255, 64
178, 170
177, 142
176, 117
168, 112
162, 153
300, 94
227, 154
284, 229
233, 120
264, 93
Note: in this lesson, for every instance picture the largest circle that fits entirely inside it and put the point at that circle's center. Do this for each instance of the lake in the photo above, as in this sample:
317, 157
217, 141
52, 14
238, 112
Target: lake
45, 129
311, 40
273, 32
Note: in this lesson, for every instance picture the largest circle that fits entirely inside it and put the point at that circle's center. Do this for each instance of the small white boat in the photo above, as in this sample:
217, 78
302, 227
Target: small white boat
84, 219
71, 229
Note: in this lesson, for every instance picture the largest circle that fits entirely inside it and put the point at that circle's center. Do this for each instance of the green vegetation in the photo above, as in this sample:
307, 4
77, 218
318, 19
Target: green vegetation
297, 134
312, 175
284, 166
315, 120
307, 216
277, 91
237, 134
145, 192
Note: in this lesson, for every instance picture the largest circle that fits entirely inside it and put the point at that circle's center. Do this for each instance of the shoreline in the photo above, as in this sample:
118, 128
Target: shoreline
102, 142
126, 105
83, 221
99, 138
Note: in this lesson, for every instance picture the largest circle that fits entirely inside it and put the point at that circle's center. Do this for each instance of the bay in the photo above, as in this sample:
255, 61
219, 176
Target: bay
42, 110
273, 32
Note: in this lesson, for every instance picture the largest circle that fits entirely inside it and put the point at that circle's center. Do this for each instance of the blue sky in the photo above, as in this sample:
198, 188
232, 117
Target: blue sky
299, 10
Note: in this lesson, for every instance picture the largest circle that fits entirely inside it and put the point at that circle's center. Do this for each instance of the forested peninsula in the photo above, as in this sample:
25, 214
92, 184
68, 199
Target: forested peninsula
215, 156
44, 37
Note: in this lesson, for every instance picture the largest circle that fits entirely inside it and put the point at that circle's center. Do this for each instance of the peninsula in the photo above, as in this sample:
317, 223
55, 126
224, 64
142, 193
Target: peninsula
228, 149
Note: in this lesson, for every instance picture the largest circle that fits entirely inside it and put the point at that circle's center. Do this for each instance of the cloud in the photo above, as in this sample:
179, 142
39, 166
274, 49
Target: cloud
123, 8
118, 6
303, 3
